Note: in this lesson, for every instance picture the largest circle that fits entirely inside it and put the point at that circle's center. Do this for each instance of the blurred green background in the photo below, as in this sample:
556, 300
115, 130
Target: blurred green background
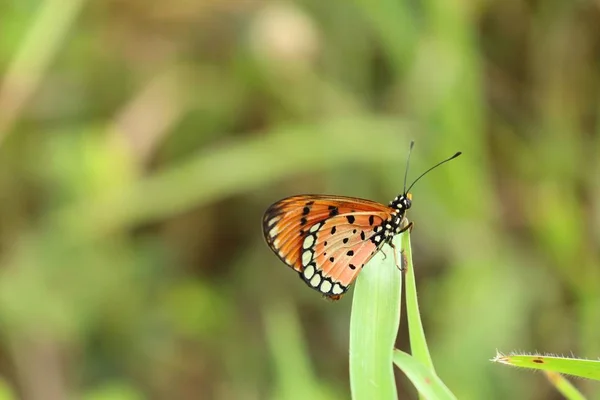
141, 141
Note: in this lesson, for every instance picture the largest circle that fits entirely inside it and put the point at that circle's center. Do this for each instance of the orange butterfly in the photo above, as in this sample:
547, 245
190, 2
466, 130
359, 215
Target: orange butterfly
329, 239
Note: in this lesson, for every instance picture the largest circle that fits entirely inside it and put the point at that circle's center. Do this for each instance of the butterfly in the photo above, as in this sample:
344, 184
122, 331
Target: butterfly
328, 239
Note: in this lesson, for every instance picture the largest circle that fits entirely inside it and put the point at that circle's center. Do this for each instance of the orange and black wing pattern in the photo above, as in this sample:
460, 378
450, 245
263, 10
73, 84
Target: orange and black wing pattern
326, 239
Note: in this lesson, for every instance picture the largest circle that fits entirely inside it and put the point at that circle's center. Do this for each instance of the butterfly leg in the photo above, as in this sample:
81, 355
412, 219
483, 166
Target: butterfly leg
384, 255
402, 265
408, 227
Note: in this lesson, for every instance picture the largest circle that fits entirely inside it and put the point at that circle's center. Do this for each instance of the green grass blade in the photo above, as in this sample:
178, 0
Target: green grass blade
563, 385
418, 343
429, 385
570, 366
373, 328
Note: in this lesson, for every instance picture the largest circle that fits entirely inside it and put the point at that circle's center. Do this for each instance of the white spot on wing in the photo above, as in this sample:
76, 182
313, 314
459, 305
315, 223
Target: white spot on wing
309, 271
337, 289
325, 286
306, 257
315, 227
314, 282
308, 242
274, 231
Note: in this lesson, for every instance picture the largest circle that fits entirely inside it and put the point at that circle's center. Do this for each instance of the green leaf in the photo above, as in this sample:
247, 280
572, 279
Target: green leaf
374, 326
418, 367
429, 385
571, 366
418, 343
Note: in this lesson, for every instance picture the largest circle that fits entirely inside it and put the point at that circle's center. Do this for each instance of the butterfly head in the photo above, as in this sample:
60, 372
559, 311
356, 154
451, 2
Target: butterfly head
402, 203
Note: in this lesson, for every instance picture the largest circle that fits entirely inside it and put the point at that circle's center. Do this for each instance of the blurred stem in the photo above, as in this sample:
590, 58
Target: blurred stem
148, 117
39, 368
41, 43
563, 385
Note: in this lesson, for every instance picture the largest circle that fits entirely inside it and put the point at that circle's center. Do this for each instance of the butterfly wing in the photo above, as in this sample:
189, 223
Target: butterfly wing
327, 239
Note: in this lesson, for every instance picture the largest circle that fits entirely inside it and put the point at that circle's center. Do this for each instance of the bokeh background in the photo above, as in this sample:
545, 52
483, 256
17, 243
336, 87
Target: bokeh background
141, 141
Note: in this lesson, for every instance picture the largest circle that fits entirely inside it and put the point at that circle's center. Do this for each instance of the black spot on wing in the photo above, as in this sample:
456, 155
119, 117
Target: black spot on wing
350, 219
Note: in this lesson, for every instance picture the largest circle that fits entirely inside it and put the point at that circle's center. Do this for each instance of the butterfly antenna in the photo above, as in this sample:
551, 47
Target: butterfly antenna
434, 167
412, 144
